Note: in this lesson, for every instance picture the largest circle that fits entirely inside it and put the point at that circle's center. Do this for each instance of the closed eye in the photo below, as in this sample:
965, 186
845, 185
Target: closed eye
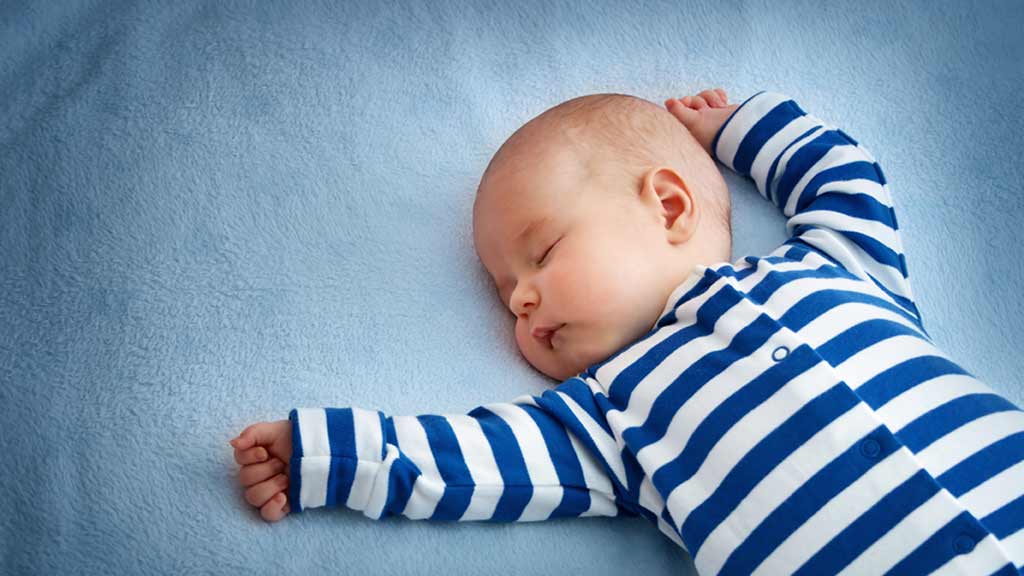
548, 251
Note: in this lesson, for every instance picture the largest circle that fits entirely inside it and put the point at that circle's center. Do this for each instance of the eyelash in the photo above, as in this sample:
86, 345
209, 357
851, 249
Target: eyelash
541, 261
545, 256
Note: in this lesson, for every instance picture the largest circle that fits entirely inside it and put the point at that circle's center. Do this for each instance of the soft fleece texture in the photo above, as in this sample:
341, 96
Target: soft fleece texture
212, 212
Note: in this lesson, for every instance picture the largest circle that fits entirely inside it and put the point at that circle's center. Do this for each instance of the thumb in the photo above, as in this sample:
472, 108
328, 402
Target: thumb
256, 434
687, 116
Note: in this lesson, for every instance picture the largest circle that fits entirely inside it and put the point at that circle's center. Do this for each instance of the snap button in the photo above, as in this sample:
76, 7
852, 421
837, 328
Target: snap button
780, 353
963, 544
869, 447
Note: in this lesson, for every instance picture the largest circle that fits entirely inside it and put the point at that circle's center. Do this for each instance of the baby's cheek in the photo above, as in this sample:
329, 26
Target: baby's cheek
583, 289
600, 292
611, 306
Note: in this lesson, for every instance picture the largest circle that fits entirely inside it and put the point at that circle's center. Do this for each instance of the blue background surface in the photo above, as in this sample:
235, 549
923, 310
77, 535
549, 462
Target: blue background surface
212, 212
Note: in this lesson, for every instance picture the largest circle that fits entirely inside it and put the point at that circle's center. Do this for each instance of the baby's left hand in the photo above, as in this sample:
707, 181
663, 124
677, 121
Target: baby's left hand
703, 114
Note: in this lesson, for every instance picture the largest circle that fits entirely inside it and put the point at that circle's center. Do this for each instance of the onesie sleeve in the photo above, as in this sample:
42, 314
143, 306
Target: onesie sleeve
830, 189
513, 461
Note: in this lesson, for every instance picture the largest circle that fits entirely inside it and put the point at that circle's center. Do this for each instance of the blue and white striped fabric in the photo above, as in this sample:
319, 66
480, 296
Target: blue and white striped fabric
785, 414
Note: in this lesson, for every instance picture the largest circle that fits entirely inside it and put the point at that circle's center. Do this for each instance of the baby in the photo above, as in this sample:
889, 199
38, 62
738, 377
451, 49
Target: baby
780, 414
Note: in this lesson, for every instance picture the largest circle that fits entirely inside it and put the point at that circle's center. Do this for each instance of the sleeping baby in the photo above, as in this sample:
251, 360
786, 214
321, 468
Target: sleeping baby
776, 414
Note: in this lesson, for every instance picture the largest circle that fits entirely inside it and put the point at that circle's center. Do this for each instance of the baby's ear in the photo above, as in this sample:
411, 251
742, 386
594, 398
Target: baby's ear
675, 202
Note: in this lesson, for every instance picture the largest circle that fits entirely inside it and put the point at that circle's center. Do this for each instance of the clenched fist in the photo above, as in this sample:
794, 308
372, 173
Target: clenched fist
263, 451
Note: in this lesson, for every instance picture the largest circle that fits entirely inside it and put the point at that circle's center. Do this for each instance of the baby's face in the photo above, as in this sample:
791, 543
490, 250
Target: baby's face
593, 271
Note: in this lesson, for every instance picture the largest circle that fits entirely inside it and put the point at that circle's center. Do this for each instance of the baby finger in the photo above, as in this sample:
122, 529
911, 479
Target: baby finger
259, 494
256, 473
276, 508
712, 98
682, 113
251, 455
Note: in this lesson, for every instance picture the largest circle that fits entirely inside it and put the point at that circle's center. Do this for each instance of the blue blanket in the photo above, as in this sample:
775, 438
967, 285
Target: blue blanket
212, 212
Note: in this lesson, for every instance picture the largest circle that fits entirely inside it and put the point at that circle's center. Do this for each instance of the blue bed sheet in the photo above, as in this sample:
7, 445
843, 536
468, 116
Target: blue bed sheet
212, 212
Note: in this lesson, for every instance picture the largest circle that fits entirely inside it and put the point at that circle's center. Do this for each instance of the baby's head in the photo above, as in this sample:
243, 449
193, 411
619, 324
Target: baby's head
588, 217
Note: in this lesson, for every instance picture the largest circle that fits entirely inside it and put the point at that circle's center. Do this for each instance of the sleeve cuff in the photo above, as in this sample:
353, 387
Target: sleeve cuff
294, 464
333, 452
752, 121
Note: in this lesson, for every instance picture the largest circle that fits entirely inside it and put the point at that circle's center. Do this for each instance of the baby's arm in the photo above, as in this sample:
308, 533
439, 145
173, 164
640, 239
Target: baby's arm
501, 462
535, 458
830, 189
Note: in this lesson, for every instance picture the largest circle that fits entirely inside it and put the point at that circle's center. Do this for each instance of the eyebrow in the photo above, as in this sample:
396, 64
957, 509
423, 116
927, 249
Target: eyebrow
529, 231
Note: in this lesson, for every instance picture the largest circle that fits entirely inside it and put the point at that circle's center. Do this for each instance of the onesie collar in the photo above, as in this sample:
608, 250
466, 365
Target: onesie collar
695, 276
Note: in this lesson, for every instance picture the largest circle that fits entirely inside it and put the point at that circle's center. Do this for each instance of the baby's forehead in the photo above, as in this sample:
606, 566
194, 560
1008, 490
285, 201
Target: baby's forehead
535, 179
507, 204
506, 210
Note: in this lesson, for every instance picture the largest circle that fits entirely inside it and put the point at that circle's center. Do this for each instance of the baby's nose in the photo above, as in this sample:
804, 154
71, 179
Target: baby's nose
523, 303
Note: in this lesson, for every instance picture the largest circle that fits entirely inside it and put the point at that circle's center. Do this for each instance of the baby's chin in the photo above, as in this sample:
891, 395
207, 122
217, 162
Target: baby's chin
559, 364
574, 357
560, 373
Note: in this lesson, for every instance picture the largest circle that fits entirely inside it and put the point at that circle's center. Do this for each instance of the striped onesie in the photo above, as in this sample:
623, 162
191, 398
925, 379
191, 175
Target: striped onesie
785, 414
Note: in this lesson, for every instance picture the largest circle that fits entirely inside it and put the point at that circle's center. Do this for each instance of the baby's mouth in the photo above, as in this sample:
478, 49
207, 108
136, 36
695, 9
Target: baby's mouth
547, 335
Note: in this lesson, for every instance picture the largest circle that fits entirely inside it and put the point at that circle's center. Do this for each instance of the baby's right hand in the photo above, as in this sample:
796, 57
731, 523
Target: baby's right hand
263, 450
703, 114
